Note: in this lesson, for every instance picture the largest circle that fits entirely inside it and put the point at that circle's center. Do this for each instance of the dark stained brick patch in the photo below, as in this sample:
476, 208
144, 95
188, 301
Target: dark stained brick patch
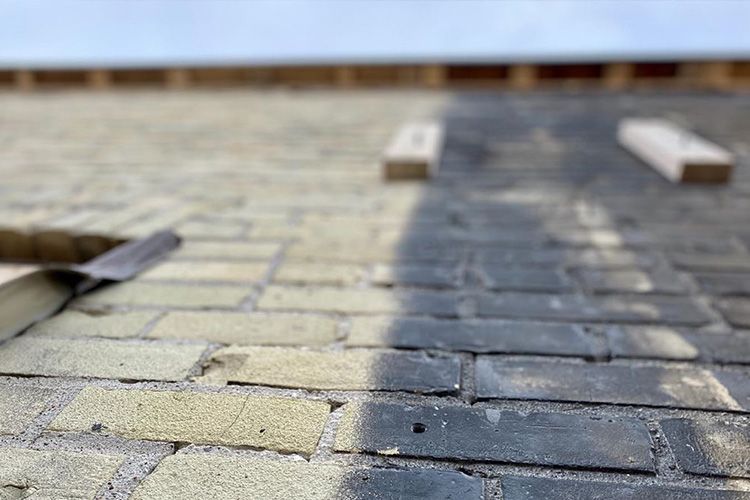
736, 311
533, 280
626, 309
497, 377
500, 436
724, 283
490, 336
716, 448
533, 488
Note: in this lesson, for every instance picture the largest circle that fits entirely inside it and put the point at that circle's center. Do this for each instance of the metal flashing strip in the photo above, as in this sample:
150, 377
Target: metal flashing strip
38, 295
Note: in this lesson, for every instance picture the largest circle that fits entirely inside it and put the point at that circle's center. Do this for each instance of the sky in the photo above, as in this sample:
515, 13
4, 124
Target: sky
114, 33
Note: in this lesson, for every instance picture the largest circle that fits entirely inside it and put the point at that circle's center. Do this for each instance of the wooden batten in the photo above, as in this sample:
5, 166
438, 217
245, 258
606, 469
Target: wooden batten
177, 78
414, 152
99, 79
25, 80
676, 153
346, 76
434, 76
523, 76
618, 76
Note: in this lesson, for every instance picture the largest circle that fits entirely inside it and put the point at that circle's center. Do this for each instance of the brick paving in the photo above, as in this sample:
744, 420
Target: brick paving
548, 318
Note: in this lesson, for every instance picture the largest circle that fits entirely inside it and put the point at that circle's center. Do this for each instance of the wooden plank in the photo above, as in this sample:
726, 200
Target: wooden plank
414, 152
25, 80
346, 76
523, 76
434, 75
718, 75
618, 76
676, 153
99, 79
177, 78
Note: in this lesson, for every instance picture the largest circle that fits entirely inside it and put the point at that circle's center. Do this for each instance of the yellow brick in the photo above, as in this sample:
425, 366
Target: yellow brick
238, 272
20, 405
216, 476
318, 273
329, 299
157, 294
251, 329
228, 249
77, 324
98, 358
54, 474
281, 424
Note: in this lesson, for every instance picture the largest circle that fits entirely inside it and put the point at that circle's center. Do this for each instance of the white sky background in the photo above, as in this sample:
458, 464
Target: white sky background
37, 33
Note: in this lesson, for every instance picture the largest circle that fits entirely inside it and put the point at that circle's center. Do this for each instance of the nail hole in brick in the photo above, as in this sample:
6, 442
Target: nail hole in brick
418, 428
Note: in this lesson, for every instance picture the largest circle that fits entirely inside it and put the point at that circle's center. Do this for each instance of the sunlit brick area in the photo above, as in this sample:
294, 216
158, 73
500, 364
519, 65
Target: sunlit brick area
546, 317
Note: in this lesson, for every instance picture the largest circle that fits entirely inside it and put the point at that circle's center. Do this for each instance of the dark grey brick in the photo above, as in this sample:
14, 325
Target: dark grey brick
437, 275
738, 385
425, 248
558, 257
536, 488
409, 483
736, 311
712, 262
724, 283
533, 280
475, 336
718, 448
601, 383
649, 342
656, 309
461, 433
663, 281
730, 348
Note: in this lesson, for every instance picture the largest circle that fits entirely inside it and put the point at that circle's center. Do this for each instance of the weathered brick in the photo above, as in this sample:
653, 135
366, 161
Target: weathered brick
228, 249
249, 329
724, 284
473, 336
436, 275
736, 311
318, 273
208, 271
376, 370
73, 323
211, 229
362, 301
157, 294
530, 488
649, 342
737, 384
98, 358
633, 281
599, 383
600, 258
355, 250
674, 310
54, 474
20, 405
531, 280
739, 262
459, 433
216, 476
716, 448
282, 424
729, 348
